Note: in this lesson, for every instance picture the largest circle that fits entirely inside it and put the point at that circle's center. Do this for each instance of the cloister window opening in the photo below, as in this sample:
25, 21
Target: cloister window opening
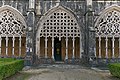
108, 34
12, 33
59, 24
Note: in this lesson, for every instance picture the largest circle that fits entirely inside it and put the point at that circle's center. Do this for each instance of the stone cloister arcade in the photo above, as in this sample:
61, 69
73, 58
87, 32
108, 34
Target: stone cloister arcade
60, 31
58, 35
108, 33
12, 33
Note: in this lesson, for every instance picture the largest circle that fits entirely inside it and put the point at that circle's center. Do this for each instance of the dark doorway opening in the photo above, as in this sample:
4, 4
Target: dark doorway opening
57, 49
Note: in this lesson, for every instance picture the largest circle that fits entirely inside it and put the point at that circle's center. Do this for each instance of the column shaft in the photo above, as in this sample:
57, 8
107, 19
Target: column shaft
73, 56
66, 56
0, 45
113, 47
46, 47
99, 47
53, 48
106, 47
13, 40
20, 40
7, 45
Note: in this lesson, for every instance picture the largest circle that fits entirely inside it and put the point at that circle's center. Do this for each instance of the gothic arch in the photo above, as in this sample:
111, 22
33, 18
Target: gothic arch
107, 28
15, 11
107, 15
12, 32
57, 22
49, 12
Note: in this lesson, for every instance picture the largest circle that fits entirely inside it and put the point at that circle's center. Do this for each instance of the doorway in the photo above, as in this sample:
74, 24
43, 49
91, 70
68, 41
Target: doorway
57, 49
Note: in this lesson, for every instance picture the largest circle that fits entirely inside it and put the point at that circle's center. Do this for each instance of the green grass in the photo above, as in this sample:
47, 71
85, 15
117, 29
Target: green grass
7, 59
9, 66
114, 69
1, 62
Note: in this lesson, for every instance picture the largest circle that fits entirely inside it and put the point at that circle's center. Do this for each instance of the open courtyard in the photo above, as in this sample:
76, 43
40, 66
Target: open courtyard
63, 72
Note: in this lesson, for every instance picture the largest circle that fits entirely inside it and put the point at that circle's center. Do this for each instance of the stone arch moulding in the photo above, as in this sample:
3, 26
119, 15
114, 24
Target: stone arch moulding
12, 32
15, 16
52, 10
58, 10
107, 28
106, 10
14, 10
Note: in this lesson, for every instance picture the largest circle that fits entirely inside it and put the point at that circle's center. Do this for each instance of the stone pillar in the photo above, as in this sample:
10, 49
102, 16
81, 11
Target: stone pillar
66, 55
38, 8
6, 45
53, 48
46, 47
31, 4
0, 46
30, 34
73, 55
90, 33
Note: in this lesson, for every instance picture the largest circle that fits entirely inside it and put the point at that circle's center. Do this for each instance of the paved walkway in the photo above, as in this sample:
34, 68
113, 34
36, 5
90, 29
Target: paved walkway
68, 72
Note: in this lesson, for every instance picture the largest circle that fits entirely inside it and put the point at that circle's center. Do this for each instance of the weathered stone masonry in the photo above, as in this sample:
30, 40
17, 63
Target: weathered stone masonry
71, 31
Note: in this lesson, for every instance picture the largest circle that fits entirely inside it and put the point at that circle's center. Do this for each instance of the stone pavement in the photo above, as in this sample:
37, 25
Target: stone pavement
68, 72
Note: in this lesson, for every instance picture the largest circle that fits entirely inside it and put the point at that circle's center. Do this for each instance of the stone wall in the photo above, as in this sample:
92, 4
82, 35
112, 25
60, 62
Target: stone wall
20, 5
78, 7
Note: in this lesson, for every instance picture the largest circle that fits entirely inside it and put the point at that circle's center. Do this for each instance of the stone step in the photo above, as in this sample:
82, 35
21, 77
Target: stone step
59, 62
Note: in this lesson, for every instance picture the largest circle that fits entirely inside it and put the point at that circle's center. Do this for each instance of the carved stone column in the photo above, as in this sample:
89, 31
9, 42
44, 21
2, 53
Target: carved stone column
90, 33
30, 34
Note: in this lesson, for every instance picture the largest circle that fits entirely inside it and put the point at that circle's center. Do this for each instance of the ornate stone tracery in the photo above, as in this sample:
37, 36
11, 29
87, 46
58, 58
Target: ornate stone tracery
10, 24
109, 24
12, 32
108, 33
60, 24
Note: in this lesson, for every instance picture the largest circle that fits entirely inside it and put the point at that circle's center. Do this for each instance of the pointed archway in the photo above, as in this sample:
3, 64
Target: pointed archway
12, 32
108, 33
58, 25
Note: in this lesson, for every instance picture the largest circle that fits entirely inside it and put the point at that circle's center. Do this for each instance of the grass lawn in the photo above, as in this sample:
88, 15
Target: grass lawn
114, 69
10, 66
1, 62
